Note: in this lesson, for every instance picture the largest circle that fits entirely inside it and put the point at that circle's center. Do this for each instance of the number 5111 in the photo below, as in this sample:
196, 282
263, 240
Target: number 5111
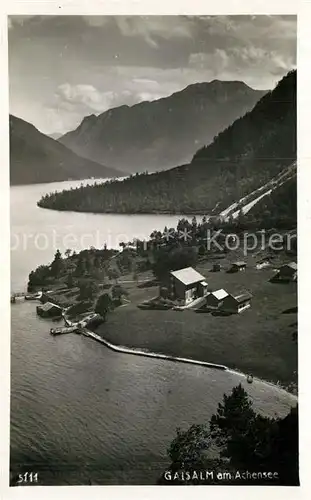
28, 477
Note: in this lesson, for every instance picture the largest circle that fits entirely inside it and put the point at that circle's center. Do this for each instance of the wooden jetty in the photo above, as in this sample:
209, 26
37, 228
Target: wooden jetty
63, 329
33, 296
19, 296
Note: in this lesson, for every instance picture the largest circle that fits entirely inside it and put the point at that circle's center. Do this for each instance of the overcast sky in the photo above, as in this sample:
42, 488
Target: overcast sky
63, 68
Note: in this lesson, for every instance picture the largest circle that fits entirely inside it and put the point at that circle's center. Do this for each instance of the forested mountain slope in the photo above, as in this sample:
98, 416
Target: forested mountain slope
242, 158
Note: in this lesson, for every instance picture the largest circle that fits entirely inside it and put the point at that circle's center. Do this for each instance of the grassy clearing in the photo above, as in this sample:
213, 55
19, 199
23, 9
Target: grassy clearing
257, 341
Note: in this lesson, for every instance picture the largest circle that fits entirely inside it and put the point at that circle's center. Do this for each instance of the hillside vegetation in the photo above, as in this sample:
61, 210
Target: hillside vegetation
280, 206
241, 159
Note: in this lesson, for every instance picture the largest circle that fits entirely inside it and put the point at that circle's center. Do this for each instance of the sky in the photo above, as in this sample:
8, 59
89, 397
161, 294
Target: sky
63, 68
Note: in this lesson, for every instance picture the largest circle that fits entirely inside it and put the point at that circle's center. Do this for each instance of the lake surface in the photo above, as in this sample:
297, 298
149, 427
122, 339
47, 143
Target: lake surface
81, 413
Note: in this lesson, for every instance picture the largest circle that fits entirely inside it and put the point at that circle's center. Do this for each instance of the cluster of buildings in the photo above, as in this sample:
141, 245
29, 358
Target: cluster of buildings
188, 286
224, 301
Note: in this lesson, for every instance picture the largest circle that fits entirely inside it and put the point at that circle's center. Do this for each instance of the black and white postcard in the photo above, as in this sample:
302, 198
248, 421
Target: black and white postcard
152, 192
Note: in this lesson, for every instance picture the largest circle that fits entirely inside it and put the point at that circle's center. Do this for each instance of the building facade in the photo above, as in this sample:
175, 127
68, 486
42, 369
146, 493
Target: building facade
49, 310
238, 266
288, 272
236, 304
186, 285
214, 300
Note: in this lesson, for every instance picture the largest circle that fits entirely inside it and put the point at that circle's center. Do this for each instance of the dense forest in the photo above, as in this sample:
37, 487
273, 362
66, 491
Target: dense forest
242, 158
268, 131
280, 207
267, 448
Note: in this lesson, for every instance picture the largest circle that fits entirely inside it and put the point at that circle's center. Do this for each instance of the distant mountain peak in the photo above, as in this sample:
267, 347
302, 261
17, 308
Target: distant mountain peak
88, 120
159, 134
90, 117
220, 84
233, 83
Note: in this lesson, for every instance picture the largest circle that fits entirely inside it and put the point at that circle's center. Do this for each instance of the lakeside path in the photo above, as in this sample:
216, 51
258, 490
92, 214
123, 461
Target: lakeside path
140, 352
145, 353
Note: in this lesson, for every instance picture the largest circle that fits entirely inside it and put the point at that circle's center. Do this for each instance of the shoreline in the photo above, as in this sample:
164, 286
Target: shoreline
146, 353
141, 352
138, 351
207, 364
219, 348
113, 212
150, 354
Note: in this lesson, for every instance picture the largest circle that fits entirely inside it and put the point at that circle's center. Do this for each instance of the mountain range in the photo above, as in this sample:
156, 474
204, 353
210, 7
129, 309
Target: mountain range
241, 159
36, 158
157, 135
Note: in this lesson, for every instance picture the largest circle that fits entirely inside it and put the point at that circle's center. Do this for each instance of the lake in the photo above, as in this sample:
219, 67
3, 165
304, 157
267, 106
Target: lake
80, 413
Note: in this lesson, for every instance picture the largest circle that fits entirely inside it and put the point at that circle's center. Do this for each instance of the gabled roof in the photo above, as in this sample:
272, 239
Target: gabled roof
243, 296
220, 294
262, 261
188, 275
48, 305
292, 265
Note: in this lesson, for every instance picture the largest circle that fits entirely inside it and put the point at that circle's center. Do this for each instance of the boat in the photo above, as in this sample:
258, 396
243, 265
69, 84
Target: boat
250, 379
17, 297
62, 329
33, 296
